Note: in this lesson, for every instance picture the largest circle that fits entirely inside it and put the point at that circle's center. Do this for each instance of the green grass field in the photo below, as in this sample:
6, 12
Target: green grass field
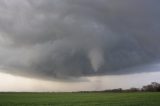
80, 99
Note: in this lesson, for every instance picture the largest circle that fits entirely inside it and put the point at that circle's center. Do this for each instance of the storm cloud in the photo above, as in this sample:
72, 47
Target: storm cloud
75, 38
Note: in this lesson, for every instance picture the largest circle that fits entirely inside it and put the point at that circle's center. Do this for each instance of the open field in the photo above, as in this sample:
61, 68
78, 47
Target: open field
80, 99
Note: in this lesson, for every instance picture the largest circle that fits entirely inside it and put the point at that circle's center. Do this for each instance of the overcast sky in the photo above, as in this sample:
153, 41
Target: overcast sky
78, 42
20, 84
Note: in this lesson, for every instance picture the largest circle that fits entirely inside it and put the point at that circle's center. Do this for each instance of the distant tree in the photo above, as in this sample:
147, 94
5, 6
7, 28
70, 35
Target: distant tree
117, 90
154, 87
133, 90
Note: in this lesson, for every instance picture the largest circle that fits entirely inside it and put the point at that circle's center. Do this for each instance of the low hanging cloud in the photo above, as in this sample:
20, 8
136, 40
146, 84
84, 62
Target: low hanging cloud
75, 38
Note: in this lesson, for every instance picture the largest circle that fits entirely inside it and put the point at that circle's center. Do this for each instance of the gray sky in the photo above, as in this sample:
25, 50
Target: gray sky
16, 83
73, 41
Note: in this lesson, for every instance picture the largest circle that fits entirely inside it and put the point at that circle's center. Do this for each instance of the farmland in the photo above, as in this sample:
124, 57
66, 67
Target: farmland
80, 99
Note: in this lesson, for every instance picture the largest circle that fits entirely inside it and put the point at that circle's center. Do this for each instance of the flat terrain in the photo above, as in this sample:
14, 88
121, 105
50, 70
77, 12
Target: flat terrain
80, 99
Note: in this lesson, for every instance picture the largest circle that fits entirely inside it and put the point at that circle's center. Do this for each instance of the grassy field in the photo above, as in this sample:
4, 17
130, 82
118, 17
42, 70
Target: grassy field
80, 99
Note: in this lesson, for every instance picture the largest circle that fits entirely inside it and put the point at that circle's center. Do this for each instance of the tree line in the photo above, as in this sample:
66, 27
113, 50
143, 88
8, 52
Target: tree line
153, 87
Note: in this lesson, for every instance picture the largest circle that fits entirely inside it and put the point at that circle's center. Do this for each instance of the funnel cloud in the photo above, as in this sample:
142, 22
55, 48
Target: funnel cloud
63, 39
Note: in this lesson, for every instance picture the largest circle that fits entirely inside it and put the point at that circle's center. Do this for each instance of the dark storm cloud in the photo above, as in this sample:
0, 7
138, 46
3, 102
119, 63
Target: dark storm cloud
73, 38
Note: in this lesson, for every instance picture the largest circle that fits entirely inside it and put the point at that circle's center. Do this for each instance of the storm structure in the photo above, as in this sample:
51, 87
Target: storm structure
65, 39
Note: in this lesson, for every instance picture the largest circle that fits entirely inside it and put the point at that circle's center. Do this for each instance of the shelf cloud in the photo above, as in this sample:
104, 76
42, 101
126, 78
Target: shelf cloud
64, 39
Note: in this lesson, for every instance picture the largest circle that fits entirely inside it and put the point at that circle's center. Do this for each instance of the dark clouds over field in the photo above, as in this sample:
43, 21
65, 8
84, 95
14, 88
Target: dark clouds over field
73, 38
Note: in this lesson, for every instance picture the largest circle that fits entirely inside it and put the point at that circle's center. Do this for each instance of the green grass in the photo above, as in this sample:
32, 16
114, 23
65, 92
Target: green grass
80, 99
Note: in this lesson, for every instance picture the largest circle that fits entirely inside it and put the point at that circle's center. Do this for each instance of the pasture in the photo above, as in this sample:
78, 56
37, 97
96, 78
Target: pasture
80, 99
